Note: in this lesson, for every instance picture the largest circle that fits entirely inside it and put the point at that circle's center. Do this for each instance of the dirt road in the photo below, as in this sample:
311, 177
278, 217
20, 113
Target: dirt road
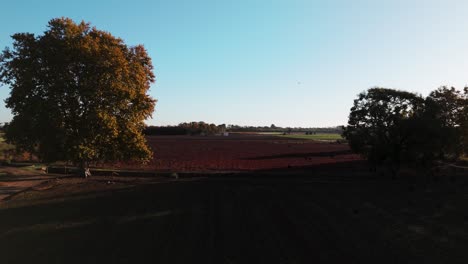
14, 180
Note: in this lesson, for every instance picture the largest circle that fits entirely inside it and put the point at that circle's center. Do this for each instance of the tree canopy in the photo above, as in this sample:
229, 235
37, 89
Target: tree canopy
77, 94
387, 125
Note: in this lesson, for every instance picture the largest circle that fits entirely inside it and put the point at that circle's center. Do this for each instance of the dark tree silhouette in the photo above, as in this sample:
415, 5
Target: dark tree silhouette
389, 126
380, 125
444, 111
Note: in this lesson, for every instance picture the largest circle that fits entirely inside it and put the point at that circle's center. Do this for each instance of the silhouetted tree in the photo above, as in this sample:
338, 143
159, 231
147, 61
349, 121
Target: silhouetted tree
381, 124
464, 121
444, 111
391, 126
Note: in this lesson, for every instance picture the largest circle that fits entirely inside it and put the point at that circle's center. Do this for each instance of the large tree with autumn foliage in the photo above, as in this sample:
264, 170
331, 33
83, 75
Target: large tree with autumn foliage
77, 94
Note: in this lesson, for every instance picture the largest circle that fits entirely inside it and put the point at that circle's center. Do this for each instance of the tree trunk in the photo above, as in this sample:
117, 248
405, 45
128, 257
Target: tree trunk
83, 170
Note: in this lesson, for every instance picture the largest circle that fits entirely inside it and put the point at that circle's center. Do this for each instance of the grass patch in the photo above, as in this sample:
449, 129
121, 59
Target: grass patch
269, 133
3, 145
318, 136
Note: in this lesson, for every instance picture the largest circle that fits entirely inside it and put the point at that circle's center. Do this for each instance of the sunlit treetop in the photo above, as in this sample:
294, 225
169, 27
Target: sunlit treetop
77, 94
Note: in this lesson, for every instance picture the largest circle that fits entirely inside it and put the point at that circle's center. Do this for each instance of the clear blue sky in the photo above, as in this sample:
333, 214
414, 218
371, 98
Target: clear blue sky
252, 62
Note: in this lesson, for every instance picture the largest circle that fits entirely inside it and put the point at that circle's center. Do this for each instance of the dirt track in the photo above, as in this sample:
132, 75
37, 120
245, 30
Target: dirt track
239, 220
15, 180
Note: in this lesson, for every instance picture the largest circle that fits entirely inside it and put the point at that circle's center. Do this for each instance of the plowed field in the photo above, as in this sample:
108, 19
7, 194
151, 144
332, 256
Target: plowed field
241, 153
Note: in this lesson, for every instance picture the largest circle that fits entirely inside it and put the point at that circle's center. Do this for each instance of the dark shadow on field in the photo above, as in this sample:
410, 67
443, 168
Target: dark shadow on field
15, 178
354, 169
338, 212
9, 190
239, 221
330, 154
74, 206
134, 225
344, 168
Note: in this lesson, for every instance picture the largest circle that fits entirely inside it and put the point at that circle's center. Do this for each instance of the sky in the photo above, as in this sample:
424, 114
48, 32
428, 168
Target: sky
261, 62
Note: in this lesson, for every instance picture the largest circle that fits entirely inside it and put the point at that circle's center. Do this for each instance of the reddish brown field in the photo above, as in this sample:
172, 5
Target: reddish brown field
241, 153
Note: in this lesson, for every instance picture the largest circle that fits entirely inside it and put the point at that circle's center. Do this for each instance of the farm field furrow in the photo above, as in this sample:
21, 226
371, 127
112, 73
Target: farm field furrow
240, 153
235, 220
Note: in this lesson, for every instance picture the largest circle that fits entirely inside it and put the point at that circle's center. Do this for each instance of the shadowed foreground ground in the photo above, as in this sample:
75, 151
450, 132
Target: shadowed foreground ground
236, 220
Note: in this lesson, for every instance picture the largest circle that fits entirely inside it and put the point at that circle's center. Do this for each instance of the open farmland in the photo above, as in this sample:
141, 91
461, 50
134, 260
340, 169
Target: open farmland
296, 201
317, 136
235, 220
240, 152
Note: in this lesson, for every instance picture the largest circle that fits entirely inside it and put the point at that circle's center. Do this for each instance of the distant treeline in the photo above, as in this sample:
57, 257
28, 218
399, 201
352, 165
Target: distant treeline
273, 128
191, 128
199, 128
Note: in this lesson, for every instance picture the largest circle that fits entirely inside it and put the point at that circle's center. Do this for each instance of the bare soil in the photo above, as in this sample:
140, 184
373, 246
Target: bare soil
240, 152
14, 180
237, 219
294, 202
